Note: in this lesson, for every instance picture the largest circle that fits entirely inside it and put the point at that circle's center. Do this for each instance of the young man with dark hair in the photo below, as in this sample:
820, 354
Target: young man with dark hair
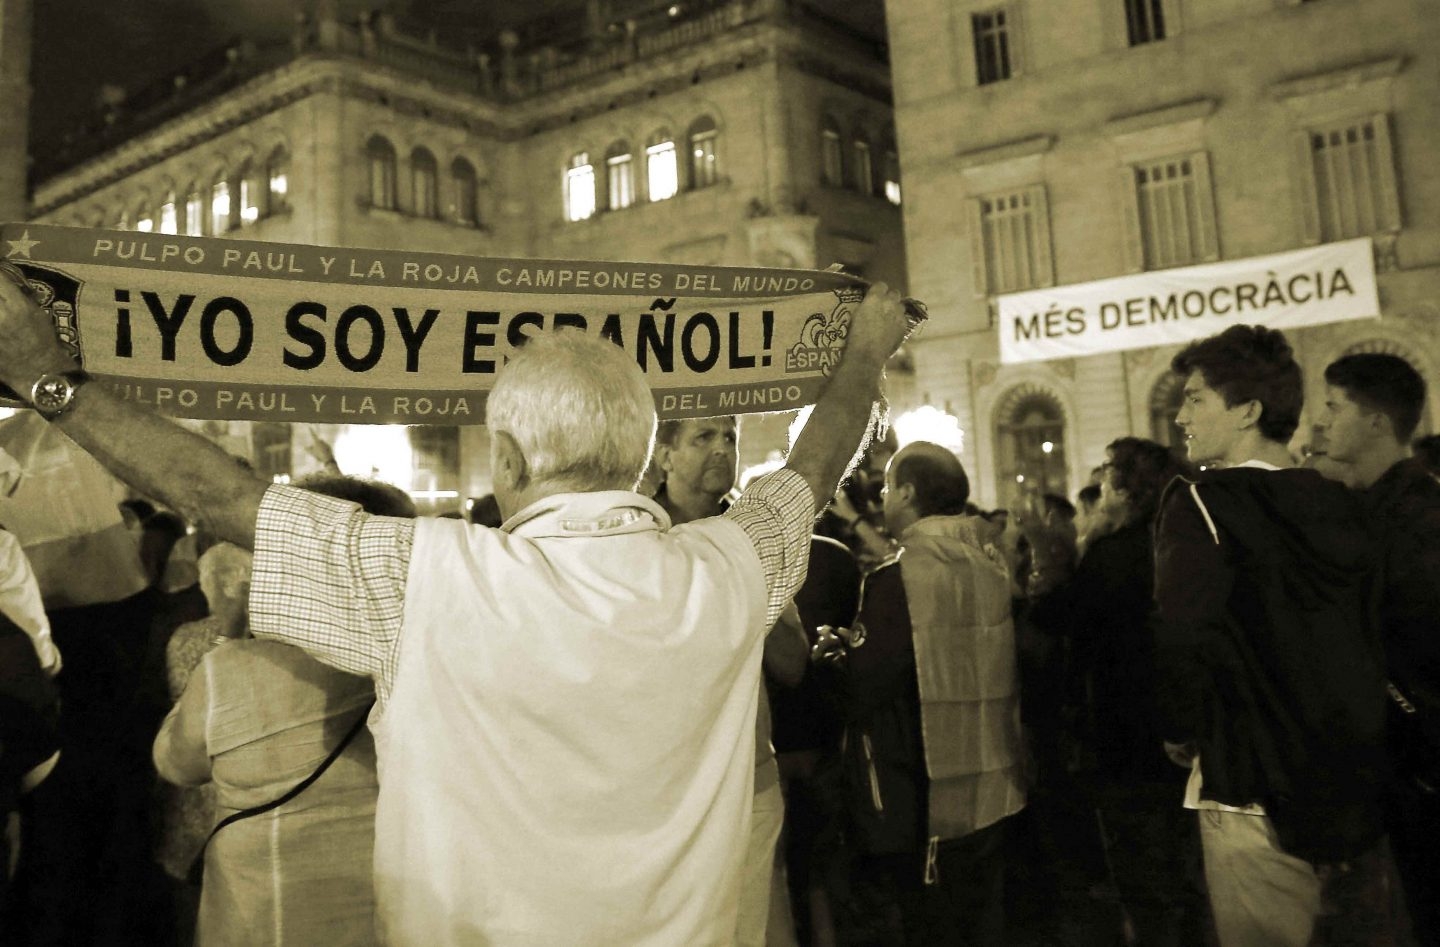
1373, 404
1270, 683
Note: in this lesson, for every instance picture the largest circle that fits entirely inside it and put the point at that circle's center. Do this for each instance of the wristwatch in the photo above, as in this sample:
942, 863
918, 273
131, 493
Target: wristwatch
54, 392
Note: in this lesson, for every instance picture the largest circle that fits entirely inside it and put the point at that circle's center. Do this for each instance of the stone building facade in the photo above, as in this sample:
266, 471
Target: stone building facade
730, 132
1040, 140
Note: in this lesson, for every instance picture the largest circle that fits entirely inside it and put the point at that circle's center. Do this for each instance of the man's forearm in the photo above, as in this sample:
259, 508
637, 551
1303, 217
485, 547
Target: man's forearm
835, 432
163, 460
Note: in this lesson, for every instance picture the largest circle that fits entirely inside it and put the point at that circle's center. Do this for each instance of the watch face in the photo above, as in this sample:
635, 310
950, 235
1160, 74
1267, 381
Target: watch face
52, 394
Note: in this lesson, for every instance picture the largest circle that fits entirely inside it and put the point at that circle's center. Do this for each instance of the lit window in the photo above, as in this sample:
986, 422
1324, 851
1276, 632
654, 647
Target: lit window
380, 155
1144, 21
580, 188
1355, 190
467, 191
169, 219
704, 159
892, 176
832, 162
1173, 201
619, 176
249, 195
424, 184
143, 221
1025, 427
661, 172
277, 176
271, 448
992, 46
864, 167
194, 212
220, 206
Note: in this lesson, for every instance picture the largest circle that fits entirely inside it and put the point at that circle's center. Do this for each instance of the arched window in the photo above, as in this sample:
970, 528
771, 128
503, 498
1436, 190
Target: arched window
832, 161
380, 155
219, 204
619, 175
169, 217
662, 176
864, 167
424, 184
270, 446
579, 187
277, 181
250, 187
1030, 446
194, 210
703, 139
1165, 400
467, 192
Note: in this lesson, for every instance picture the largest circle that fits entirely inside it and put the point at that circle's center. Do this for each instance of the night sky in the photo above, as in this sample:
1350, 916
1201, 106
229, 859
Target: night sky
81, 46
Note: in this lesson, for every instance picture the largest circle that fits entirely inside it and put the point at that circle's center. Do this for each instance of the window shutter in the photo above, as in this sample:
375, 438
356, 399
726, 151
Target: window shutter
977, 247
1015, 38
1307, 197
1205, 201
1385, 171
1134, 249
1044, 255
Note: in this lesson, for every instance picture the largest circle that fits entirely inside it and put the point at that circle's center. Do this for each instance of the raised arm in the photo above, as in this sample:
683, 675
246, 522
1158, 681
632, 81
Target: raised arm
836, 429
152, 454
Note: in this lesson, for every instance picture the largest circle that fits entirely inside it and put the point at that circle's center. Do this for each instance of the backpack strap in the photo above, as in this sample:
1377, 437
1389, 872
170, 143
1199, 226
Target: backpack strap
197, 867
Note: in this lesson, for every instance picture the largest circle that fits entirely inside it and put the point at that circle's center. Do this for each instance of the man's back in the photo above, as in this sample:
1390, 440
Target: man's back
1264, 581
629, 804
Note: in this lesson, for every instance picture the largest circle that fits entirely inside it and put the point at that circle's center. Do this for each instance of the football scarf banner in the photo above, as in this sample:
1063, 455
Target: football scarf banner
243, 330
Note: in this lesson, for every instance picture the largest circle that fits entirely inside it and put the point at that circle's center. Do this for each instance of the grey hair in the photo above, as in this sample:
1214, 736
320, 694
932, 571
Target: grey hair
580, 410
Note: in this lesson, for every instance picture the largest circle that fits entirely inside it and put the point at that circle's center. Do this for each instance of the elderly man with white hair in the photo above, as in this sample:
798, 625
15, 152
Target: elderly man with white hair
566, 705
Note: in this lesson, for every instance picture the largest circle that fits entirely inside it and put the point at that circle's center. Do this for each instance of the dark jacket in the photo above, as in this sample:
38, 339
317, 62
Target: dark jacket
1405, 509
1268, 651
1104, 610
29, 712
886, 786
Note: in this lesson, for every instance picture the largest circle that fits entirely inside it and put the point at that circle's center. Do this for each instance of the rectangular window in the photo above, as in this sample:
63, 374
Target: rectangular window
1016, 241
1355, 191
832, 169
144, 223
1144, 21
424, 188
661, 171
220, 207
620, 176
704, 170
580, 188
249, 200
864, 168
194, 214
1172, 204
892, 177
992, 46
169, 222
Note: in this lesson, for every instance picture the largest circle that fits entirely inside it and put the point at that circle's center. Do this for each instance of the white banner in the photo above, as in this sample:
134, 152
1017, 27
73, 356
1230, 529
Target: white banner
1333, 282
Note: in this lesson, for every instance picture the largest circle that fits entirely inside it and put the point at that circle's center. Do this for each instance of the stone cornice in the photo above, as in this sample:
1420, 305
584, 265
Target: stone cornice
1155, 118
1332, 79
1005, 152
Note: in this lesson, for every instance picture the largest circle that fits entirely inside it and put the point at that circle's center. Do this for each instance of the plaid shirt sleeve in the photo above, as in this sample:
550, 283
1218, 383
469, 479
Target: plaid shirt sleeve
330, 578
777, 512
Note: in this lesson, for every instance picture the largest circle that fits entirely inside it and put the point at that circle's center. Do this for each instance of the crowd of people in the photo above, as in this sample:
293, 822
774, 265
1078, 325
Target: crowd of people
841, 706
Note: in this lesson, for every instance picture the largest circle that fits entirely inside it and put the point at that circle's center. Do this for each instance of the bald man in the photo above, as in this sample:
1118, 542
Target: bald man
932, 749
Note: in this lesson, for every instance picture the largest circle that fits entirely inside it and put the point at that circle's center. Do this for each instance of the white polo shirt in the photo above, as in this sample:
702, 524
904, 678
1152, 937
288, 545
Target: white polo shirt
566, 722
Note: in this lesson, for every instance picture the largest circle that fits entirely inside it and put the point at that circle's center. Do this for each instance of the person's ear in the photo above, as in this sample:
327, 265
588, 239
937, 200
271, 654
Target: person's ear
510, 465
1250, 413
